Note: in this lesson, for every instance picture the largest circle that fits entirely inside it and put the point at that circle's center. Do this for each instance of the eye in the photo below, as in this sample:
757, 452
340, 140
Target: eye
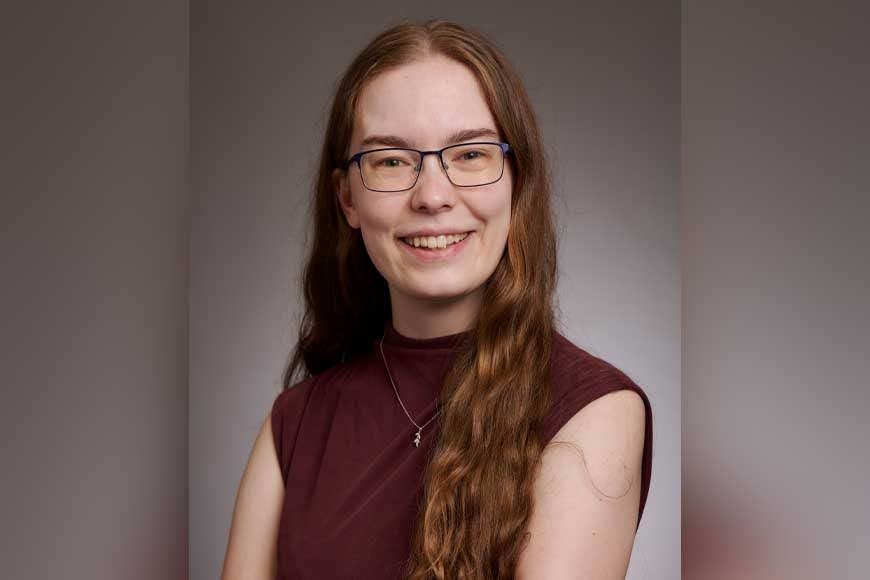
389, 159
390, 162
472, 154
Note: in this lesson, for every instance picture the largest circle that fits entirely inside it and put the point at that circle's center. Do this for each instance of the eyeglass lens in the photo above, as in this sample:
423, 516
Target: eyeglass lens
466, 165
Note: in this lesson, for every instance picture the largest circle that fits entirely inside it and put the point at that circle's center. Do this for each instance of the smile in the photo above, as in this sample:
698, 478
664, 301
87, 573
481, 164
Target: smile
429, 249
433, 242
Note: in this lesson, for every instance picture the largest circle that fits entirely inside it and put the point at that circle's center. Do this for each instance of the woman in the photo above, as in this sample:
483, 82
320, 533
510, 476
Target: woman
442, 427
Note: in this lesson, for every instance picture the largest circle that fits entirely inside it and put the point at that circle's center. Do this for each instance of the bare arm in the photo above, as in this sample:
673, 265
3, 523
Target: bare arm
587, 494
252, 545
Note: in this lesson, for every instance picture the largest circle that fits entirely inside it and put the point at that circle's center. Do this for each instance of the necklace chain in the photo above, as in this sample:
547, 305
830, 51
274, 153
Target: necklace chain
419, 433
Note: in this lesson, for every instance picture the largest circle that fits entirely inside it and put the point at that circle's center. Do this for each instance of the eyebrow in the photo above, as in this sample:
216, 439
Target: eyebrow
457, 137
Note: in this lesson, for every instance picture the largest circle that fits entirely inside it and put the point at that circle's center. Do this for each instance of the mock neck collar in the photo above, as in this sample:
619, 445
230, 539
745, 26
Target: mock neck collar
446, 342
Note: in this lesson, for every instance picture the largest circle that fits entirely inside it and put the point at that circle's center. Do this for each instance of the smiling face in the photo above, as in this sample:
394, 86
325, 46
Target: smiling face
428, 105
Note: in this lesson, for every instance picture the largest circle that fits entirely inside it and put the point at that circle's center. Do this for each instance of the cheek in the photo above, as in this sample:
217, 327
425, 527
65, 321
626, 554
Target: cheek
376, 218
376, 215
495, 211
501, 222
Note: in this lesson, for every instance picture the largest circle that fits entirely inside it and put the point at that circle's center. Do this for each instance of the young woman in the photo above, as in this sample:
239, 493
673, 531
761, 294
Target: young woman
442, 427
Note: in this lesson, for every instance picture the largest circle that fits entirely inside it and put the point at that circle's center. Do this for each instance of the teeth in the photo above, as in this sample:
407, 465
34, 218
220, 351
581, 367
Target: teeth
435, 241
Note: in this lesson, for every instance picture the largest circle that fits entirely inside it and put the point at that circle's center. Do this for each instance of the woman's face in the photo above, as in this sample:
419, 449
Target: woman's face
427, 105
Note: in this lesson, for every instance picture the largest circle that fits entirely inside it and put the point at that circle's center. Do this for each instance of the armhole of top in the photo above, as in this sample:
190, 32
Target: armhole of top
277, 421
286, 416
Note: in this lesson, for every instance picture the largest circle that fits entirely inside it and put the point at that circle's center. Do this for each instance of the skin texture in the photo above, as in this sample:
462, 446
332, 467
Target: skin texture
424, 103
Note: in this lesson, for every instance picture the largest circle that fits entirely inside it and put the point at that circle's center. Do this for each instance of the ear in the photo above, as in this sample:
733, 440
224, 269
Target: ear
341, 186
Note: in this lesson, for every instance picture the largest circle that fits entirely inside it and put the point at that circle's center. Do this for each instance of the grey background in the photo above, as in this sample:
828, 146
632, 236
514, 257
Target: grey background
93, 301
776, 262
94, 296
604, 78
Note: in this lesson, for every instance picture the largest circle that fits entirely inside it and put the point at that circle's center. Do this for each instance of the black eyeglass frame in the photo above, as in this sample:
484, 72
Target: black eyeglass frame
355, 158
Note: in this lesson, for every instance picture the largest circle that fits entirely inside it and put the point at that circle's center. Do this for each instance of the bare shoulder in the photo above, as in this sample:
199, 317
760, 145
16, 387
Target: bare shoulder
252, 544
587, 493
607, 436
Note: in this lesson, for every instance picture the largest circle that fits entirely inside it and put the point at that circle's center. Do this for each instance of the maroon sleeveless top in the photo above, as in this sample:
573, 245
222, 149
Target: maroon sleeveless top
352, 475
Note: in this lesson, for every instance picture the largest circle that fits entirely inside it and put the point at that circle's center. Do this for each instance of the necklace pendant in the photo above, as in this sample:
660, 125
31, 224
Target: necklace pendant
417, 438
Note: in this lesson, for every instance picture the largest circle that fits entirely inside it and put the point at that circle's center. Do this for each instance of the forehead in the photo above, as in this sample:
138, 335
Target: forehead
423, 103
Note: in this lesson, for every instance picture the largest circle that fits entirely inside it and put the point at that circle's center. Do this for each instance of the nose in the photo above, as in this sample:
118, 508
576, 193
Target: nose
433, 191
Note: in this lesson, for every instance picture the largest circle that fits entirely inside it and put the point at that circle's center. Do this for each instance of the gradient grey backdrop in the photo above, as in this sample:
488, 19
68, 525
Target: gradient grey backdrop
93, 301
94, 225
604, 78
776, 256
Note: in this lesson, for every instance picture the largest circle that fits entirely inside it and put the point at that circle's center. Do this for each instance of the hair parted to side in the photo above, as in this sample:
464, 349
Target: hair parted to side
478, 485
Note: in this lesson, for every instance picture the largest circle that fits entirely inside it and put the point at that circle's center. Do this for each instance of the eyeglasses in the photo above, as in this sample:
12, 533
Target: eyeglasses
397, 169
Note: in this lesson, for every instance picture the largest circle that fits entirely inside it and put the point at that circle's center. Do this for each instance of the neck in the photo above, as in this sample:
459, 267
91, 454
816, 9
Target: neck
420, 318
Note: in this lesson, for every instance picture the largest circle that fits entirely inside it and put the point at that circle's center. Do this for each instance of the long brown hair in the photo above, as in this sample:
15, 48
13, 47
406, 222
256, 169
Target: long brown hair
478, 485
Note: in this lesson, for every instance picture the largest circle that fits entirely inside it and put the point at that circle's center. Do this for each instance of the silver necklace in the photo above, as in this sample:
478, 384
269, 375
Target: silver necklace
395, 390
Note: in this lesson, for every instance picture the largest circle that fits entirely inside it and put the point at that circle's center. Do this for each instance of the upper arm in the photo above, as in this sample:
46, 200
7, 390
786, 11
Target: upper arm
587, 493
252, 545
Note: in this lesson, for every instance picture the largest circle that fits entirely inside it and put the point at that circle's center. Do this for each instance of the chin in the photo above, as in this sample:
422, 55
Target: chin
442, 292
